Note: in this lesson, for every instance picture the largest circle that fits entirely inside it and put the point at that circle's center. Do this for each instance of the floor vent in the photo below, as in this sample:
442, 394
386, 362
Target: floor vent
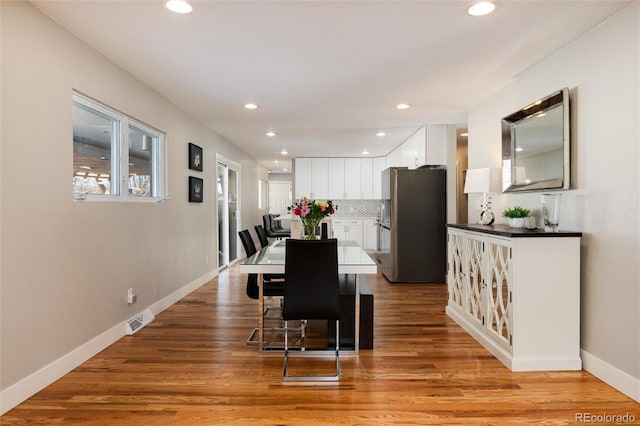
139, 321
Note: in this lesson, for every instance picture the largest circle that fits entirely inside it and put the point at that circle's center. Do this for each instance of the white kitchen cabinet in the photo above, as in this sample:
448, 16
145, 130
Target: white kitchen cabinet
366, 178
379, 164
352, 179
302, 177
348, 229
311, 178
427, 146
336, 178
320, 178
517, 292
369, 234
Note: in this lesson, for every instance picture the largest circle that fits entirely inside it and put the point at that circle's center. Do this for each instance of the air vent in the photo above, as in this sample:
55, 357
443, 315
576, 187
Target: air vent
139, 321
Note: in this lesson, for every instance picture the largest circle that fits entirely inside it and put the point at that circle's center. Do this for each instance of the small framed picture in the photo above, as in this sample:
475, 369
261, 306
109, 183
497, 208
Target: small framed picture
195, 157
195, 189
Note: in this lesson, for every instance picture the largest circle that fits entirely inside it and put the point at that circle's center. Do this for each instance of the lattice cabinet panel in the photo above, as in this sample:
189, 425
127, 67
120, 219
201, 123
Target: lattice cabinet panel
455, 275
475, 301
498, 285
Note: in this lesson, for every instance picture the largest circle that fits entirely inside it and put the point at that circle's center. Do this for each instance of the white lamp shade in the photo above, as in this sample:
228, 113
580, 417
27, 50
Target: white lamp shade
483, 180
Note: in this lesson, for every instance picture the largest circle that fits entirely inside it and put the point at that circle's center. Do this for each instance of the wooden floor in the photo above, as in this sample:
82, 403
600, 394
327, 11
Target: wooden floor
191, 366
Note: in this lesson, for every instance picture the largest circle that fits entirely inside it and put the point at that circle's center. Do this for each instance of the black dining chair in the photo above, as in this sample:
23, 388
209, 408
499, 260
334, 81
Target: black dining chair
311, 292
273, 287
268, 224
273, 283
262, 236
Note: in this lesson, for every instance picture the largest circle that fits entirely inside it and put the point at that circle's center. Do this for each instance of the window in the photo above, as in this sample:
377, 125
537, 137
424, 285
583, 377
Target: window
262, 194
114, 156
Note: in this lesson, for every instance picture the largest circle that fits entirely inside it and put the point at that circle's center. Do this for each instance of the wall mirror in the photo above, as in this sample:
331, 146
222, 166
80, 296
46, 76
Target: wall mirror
535, 145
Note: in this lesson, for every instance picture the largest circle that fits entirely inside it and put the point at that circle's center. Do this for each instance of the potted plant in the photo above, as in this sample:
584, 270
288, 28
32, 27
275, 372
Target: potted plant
516, 216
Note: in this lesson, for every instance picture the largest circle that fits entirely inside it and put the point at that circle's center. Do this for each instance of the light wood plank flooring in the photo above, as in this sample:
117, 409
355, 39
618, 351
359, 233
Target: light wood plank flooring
191, 366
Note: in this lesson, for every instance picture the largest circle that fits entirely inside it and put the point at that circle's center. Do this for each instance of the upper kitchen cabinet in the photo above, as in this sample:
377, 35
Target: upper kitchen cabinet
427, 146
379, 164
339, 178
336, 178
311, 178
352, 178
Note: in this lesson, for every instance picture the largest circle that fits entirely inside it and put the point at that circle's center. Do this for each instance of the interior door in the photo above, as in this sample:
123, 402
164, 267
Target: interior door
228, 178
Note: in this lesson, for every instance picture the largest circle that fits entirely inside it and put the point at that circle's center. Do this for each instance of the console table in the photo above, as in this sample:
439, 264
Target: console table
517, 292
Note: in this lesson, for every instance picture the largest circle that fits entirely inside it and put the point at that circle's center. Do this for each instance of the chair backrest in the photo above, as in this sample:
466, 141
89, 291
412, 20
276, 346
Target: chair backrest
262, 236
266, 224
247, 242
312, 289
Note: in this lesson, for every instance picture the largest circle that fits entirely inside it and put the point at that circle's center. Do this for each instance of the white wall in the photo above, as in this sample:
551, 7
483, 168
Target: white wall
602, 72
66, 265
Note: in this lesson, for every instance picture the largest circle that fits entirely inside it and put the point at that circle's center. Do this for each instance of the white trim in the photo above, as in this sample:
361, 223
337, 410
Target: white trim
35, 382
611, 375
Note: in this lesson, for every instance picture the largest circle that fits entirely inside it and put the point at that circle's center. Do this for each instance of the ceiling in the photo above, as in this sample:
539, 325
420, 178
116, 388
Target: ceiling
326, 75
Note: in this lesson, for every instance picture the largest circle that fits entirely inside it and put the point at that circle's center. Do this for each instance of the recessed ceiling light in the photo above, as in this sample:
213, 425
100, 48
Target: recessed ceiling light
270, 134
275, 161
284, 152
365, 152
178, 6
518, 149
381, 134
464, 134
403, 106
481, 8
284, 170
250, 105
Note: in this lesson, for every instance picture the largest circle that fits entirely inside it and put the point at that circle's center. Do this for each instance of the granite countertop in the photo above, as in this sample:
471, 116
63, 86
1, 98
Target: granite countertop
507, 231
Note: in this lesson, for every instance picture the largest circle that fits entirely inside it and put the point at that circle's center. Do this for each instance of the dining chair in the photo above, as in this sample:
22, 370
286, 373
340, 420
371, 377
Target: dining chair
262, 236
311, 292
273, 287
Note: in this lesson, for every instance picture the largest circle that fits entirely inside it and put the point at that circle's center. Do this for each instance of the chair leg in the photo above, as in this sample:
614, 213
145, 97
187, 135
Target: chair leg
335, 377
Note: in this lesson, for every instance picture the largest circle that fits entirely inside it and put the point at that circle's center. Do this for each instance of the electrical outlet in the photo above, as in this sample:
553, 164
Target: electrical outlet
131, 298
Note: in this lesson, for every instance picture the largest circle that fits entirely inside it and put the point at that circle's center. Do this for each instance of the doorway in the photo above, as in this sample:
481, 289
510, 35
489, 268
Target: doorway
227, 188
280, 199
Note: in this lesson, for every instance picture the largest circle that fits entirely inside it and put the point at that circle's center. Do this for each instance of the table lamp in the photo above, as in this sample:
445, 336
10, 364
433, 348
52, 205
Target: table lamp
484, 181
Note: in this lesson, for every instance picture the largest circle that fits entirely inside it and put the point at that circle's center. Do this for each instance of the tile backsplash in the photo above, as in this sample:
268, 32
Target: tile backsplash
357, 208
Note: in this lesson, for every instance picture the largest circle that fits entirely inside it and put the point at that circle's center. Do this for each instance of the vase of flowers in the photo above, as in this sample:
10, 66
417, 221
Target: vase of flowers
311, 212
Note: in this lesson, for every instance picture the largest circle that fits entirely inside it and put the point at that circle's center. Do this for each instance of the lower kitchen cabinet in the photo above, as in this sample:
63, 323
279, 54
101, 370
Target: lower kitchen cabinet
517, 292
348, 229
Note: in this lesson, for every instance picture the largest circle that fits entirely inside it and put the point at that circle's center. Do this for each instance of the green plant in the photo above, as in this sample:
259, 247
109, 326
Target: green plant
515, 212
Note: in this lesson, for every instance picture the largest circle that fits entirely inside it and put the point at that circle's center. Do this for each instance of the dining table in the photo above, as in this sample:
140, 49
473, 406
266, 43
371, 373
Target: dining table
352, 260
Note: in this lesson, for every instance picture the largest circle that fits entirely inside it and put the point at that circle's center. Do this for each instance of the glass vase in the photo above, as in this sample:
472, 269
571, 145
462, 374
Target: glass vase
310, 226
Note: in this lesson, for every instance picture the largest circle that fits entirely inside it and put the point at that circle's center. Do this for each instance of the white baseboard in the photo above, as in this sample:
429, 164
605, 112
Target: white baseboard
611, 375
35, 382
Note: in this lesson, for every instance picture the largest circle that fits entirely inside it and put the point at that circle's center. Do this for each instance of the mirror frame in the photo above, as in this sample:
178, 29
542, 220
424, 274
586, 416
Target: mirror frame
509, 158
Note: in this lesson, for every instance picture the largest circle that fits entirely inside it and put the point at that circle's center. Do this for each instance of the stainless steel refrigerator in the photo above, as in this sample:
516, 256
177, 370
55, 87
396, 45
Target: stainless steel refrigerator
412, 230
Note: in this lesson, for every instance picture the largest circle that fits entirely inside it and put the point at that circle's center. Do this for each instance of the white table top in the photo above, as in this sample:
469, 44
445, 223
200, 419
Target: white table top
352, 259
285, 217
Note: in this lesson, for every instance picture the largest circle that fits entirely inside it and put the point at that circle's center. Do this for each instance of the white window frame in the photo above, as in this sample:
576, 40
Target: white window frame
120, 156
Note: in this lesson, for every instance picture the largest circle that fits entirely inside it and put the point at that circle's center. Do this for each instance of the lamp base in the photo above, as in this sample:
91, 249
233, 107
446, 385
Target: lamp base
487, 217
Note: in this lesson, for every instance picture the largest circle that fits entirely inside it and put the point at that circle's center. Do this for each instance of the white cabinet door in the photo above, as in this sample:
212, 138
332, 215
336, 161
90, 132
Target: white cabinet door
354, 230
366, 178
303, 177
320, 178
436, 144
339, 229
369, 234
379, 164
352, 179
421, 147
498, 291
336, 178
